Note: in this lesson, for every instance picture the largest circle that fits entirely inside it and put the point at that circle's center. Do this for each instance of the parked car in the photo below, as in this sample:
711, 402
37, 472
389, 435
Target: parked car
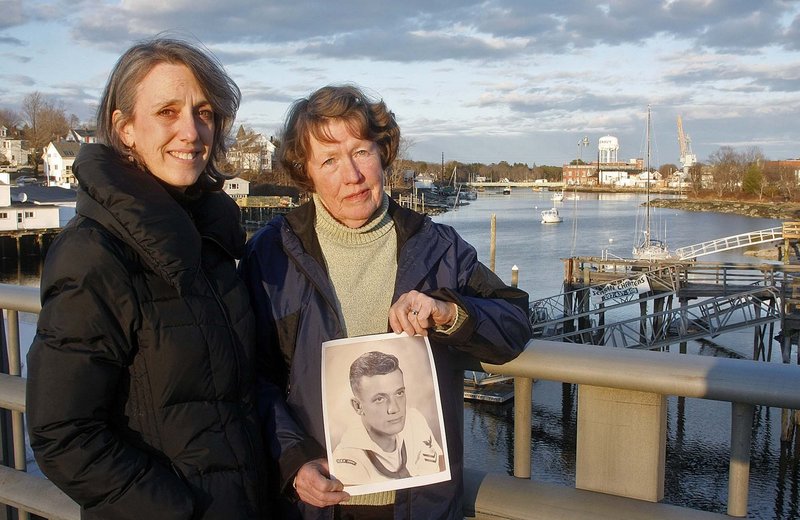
25, 180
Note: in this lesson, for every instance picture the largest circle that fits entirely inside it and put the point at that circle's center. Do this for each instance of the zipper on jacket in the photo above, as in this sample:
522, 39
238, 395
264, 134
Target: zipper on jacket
261, 478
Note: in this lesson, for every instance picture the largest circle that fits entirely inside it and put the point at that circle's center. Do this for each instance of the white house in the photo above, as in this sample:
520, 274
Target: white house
251, 151
82, 135
12, 150
58, 158
237, 188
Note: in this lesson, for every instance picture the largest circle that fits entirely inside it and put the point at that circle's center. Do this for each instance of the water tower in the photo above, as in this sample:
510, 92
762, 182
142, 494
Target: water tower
609, 149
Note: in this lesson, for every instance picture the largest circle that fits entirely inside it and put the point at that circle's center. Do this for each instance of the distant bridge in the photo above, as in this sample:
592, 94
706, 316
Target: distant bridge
517, 184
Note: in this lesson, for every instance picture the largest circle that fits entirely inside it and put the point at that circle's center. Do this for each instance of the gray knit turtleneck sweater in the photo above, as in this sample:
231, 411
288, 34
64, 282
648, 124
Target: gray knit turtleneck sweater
362, 264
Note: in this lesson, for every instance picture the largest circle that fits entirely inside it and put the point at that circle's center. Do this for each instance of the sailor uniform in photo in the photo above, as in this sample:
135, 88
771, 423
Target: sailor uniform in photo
358, 460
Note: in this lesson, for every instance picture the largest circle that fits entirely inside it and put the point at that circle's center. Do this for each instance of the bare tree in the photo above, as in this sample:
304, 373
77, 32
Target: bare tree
727, 170
46, 122
784, 177
667, 169
10, 119
402, 162
696, 177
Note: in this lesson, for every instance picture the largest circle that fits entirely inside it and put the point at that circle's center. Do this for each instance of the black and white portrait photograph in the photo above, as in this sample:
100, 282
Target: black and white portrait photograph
382, 413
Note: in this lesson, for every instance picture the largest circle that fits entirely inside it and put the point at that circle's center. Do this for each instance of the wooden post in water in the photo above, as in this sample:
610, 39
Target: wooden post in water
493, 241
683, 303
658, 307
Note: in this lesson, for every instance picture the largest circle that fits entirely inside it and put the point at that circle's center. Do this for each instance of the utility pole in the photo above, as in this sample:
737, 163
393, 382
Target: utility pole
442, 175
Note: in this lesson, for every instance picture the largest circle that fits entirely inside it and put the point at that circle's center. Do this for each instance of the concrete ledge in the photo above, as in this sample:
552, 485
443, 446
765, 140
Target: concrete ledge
37, 495
492, 496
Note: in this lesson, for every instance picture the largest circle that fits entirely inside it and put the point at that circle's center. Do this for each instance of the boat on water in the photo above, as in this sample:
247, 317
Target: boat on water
507, 190
492, 388
551, 216
469, 193
649, 247
557, 196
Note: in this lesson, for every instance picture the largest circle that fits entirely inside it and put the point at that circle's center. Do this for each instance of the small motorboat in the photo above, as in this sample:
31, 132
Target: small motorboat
551, 216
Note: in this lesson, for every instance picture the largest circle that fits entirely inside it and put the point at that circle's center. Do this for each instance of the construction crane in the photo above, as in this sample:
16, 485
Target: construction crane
688, 159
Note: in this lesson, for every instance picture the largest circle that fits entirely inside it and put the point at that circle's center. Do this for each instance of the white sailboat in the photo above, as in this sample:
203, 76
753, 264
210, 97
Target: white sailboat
649, 247
558, 196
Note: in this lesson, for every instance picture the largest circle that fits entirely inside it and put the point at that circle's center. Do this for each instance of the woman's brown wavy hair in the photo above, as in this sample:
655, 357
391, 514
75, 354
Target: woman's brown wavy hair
365, 118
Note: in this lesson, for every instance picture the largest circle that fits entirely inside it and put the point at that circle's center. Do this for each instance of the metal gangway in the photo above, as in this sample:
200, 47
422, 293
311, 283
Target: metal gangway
621, 322
763, 236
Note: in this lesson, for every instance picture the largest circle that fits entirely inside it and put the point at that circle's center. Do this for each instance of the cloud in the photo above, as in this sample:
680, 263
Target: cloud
415, 30
7, 57
541, 73
8, 40
12, 13
20, 80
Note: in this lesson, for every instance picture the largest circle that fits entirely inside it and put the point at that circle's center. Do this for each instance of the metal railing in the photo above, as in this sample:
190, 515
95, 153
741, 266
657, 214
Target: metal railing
743, 383
732, 242
705, 319
27, 493
691, 376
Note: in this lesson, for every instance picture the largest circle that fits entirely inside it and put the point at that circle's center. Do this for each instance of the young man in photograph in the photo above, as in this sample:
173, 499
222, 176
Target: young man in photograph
391, 441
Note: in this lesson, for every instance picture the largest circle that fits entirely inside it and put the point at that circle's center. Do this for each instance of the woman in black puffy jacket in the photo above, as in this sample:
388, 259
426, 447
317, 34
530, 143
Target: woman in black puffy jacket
140, 397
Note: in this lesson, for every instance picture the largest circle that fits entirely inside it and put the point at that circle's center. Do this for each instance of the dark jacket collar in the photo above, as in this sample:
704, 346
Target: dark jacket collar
301, 220
133, 205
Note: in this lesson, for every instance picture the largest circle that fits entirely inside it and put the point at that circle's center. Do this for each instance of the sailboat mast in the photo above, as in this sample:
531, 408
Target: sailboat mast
647, 180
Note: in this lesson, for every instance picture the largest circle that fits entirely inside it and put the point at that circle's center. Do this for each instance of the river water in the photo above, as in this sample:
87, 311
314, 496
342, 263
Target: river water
698, 430
698, 441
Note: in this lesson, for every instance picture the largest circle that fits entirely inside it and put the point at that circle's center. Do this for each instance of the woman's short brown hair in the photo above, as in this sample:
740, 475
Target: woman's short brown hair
132, 67
365, 118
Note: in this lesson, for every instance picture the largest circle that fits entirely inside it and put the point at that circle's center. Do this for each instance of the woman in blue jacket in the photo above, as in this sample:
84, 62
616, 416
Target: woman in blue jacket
352, 262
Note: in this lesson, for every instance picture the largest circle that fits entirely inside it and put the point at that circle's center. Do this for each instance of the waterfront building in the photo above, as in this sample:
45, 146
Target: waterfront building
789, 165
35, 207
580, 174
237, 188
614, 178
607, 171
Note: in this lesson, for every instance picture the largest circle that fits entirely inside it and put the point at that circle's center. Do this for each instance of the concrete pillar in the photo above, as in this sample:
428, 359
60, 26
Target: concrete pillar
621, 443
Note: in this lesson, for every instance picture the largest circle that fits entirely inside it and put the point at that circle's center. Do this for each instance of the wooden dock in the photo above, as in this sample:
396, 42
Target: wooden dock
480, 386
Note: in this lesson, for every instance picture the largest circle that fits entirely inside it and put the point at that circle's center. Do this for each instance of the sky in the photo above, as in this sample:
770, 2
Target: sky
497, 80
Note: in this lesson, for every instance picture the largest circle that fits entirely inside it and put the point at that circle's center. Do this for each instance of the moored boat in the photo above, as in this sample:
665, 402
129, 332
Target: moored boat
649, 248
551, 216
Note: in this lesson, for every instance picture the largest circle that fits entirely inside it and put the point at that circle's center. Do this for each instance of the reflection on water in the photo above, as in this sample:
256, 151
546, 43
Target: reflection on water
698, 431
697, 455
26, 271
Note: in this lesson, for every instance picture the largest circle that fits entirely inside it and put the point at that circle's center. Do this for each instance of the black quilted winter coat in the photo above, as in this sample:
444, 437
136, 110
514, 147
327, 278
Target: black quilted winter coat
139, 389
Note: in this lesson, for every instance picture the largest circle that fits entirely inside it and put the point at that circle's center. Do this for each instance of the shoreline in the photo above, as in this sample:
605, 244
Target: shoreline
775, 210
